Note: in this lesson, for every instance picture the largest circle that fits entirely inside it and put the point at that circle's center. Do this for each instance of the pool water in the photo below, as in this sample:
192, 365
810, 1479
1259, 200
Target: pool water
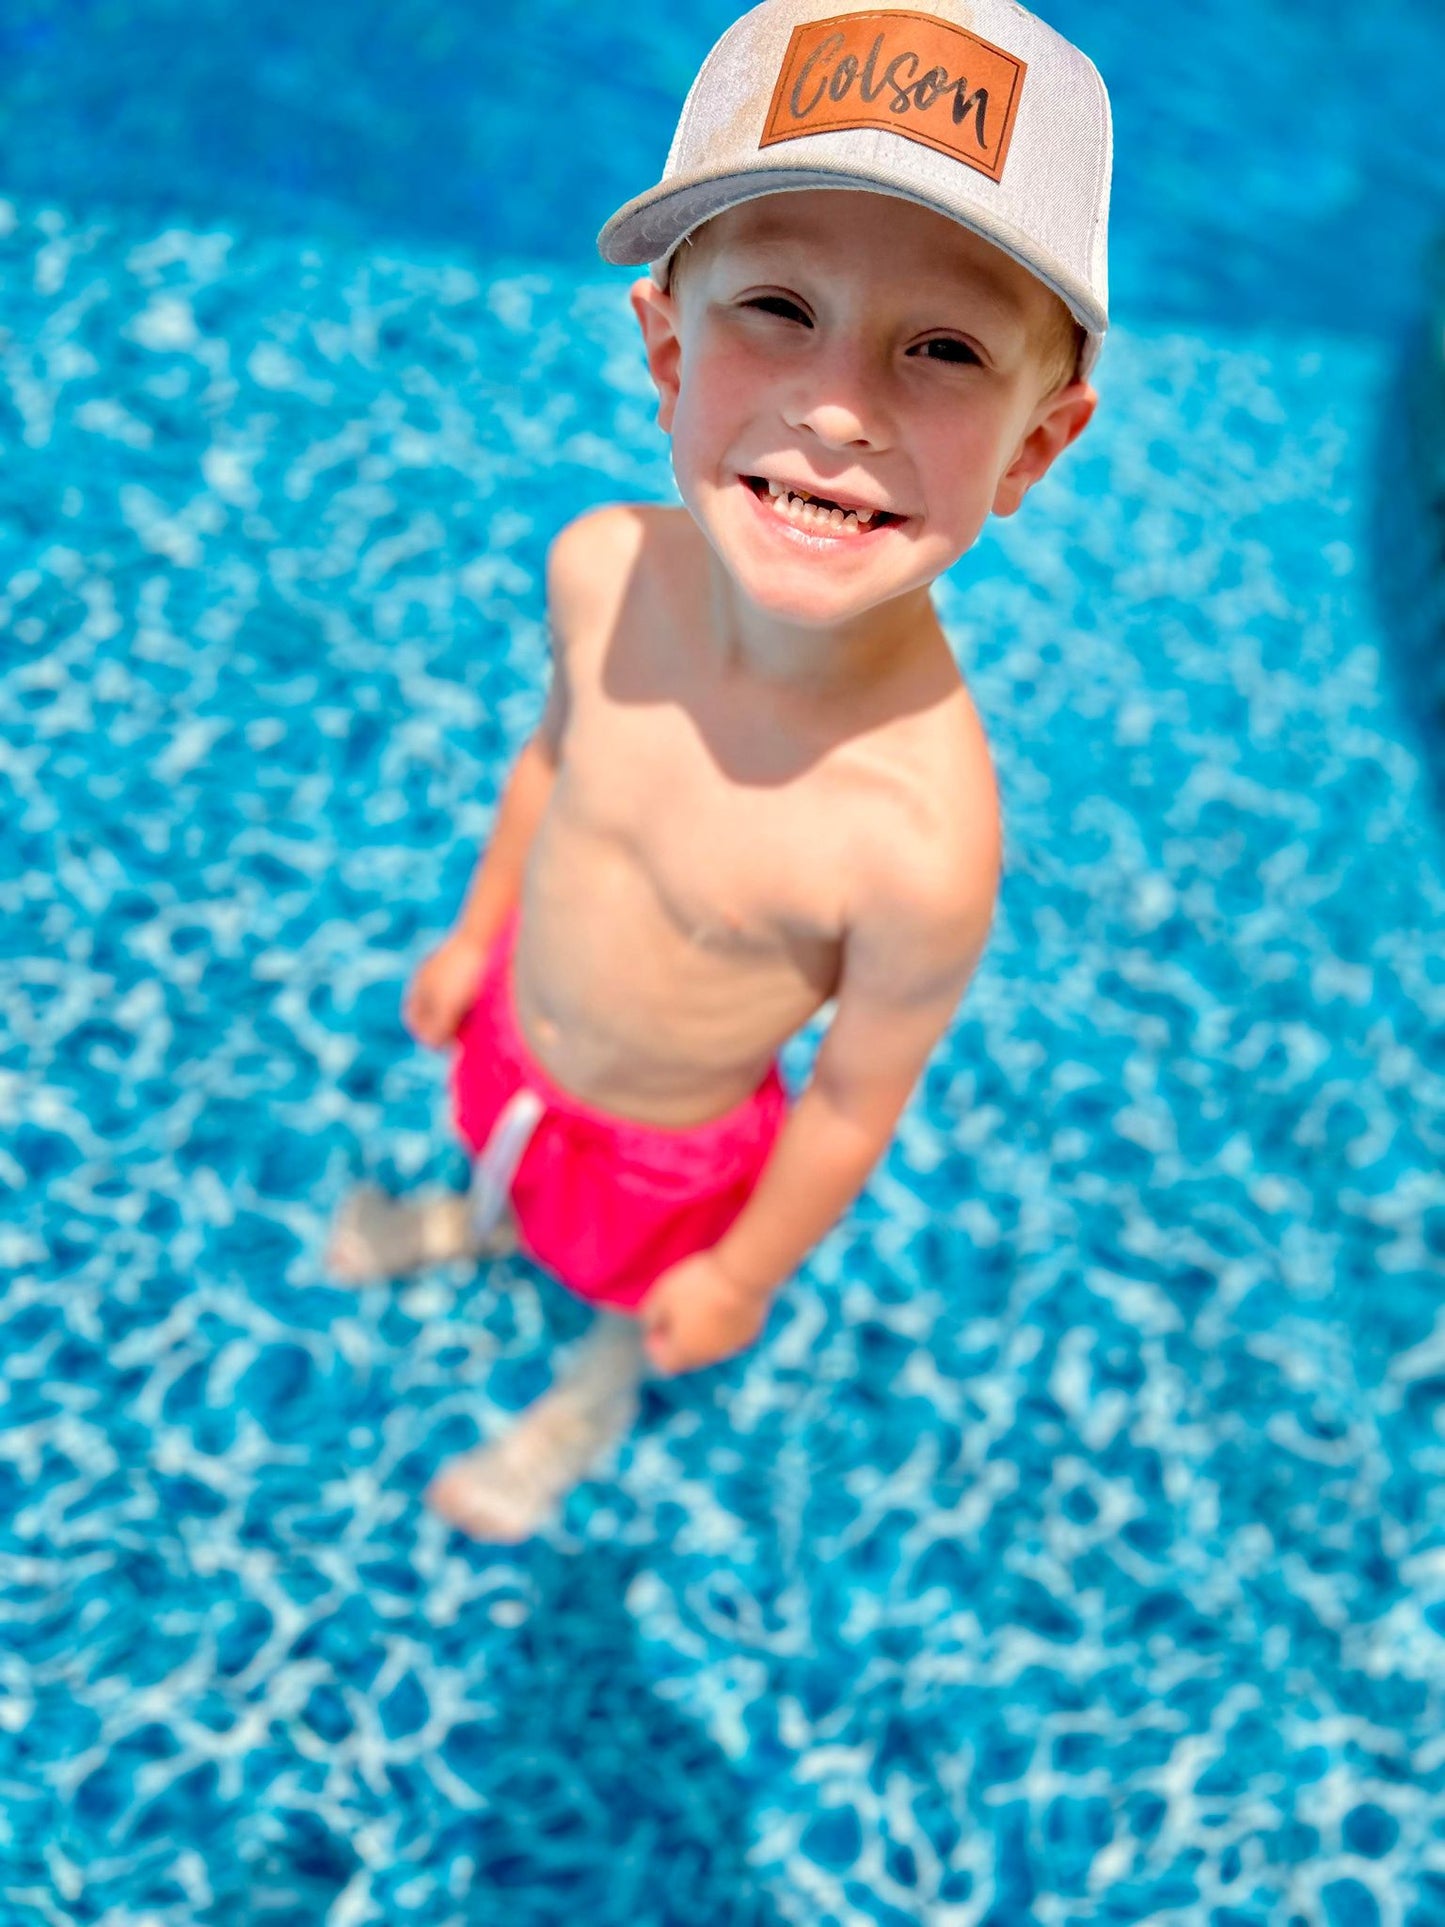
1071, 1548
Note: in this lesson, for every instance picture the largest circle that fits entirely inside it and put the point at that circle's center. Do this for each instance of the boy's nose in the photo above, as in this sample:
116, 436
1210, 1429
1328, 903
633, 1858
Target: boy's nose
835, 424
841, 407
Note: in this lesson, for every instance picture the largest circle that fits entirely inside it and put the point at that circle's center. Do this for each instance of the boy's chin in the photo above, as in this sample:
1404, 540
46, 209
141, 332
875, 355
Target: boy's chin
810, 589
806, 593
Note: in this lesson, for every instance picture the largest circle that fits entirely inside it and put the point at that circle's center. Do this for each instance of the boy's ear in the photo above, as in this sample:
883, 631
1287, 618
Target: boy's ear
1059, 420
658, 318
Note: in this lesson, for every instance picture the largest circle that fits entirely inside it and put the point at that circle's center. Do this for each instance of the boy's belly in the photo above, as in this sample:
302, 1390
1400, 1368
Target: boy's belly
660, 998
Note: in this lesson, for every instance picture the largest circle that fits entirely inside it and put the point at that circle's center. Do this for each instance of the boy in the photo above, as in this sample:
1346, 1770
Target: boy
759, 783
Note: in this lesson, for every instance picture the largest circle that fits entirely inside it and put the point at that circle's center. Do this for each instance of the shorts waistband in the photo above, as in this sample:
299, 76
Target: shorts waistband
711, 1142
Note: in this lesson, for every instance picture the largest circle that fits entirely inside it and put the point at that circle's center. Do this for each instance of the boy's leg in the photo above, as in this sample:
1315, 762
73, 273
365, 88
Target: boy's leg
505, 1490
376, 1236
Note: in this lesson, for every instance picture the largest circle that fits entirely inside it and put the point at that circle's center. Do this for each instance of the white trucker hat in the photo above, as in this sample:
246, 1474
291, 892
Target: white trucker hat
974, 108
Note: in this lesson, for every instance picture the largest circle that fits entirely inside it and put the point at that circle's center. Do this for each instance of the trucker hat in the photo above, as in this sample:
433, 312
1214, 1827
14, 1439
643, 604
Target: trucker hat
975, 108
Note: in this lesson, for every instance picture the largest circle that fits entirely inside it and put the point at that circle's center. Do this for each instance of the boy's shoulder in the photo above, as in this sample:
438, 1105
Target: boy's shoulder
601, 560
943, 830
600, 549
917, 810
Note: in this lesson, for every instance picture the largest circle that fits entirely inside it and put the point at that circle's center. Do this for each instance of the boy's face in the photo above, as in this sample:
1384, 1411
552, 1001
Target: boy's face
869, 352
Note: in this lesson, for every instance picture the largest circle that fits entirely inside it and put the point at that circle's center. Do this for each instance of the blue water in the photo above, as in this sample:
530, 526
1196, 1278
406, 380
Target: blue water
1071, 1548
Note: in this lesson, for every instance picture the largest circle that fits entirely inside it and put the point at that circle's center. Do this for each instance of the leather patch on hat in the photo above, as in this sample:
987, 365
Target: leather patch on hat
912, 73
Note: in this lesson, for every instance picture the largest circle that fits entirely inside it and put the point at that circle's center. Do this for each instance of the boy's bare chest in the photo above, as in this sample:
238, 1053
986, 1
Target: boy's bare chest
745, 841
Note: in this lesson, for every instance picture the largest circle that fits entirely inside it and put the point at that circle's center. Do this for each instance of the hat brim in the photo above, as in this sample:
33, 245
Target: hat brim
649, 228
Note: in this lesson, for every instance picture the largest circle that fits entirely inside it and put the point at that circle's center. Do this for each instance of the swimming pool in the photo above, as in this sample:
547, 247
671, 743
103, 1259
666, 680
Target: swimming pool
1071, 1548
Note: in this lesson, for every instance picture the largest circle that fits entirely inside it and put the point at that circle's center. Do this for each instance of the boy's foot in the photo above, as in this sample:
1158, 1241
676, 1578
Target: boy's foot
377, 1236
503, 1492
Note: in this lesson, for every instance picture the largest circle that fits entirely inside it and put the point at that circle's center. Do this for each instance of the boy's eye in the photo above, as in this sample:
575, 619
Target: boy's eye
780, 305
947, 348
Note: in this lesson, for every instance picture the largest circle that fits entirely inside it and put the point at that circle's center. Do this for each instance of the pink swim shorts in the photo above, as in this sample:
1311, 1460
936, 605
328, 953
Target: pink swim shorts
603, 1202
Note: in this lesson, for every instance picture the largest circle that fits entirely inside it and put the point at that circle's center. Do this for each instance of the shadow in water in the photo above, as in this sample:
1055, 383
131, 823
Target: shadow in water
603, 1803
1406, 548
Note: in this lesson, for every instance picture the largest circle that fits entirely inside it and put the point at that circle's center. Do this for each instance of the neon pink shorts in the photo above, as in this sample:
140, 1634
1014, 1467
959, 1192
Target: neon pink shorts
604, 1203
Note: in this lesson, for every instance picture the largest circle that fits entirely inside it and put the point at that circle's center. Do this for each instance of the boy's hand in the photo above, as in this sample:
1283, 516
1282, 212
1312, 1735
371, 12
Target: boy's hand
443, 990
696, 1314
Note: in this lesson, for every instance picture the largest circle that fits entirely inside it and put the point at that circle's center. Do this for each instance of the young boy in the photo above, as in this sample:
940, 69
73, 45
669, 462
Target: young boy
759, 783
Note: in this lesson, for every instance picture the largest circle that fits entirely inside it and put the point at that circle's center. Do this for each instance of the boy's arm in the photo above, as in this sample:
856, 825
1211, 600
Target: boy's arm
444, 984
905, 966
497, 879
906, 961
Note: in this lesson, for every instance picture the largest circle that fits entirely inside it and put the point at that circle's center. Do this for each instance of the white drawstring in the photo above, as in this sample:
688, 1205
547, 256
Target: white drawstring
491, 1185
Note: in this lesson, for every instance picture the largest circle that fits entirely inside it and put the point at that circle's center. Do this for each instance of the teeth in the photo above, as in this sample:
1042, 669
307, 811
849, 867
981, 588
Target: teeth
802, 510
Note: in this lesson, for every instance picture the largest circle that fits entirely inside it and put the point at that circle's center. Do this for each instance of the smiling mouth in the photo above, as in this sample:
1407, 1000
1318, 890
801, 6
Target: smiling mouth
805, 510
